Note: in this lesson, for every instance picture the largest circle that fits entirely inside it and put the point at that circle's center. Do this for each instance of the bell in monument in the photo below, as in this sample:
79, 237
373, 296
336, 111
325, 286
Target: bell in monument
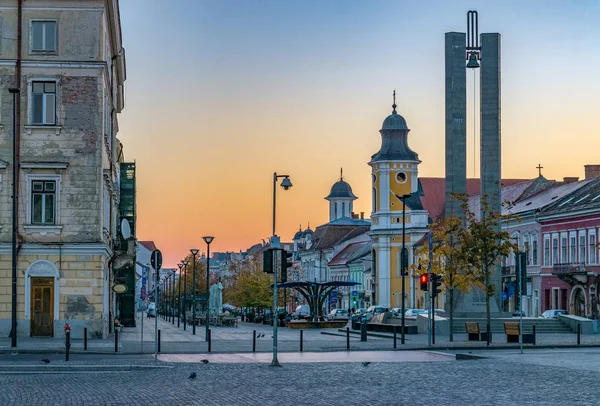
473, 63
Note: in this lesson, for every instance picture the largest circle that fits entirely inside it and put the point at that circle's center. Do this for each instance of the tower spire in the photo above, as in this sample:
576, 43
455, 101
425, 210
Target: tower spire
341, 173
394, 105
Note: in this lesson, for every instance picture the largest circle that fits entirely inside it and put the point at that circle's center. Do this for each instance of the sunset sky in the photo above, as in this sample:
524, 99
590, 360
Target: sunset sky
222, 93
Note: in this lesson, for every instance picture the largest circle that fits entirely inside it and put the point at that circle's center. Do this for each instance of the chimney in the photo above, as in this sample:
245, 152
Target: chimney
571, 179
362, 215
354, 215
591, 171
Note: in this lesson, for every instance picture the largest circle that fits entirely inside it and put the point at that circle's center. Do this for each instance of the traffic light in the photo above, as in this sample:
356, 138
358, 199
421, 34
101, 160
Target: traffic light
522, 272
436, 280
268, 261
286, 262
424, 280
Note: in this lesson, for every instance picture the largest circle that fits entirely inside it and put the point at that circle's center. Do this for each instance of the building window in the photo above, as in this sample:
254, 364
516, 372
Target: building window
534, 249
546, 251
573, 249
555, 259
563, 250
592, 250
43, 198
43, 36
43, 103
527, 248
343, 209
582, 247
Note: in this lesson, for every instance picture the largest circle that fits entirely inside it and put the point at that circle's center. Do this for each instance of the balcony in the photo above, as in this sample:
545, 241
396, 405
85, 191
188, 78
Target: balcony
572, 273
508, 270
568, 268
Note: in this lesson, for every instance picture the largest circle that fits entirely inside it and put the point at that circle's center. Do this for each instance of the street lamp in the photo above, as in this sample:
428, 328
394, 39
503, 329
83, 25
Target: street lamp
180, 265
194, 252
286, 184
167, 298
207, 239
173, 298
403, 259
15, 202
185, 263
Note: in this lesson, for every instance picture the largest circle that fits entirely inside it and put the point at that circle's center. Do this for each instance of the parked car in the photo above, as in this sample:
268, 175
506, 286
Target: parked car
437, 312
151, 310
552, 314
338, 314
358, 313
372, 310
411, 313
302, 312
518, 313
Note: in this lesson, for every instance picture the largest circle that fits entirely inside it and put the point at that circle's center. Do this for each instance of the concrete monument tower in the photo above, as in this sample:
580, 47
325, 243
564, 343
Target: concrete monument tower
483, 53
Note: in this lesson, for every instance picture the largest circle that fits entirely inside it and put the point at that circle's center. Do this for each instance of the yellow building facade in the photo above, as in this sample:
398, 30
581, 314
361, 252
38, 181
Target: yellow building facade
396, 208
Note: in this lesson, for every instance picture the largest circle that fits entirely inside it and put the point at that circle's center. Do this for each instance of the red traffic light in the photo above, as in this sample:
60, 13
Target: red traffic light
424, 280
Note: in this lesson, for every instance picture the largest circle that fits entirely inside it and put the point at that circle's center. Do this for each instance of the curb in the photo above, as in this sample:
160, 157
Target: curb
74, 368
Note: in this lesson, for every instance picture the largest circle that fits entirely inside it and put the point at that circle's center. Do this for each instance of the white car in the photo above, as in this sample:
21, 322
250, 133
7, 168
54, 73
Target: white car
413, 313
338, 314
552, 314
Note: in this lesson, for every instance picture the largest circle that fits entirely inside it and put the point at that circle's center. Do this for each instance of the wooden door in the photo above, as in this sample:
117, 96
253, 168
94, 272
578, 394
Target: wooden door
42, 307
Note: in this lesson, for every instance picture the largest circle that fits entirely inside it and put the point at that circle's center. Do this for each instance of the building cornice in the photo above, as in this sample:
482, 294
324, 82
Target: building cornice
59, 249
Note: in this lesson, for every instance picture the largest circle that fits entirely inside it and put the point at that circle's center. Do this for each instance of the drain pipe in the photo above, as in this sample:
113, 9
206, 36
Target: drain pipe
15, 174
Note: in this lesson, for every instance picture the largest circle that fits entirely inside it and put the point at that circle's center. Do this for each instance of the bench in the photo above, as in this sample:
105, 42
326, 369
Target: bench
473, 332
512, 330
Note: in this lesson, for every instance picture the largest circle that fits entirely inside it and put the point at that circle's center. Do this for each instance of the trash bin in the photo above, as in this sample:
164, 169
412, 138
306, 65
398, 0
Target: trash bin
363, 329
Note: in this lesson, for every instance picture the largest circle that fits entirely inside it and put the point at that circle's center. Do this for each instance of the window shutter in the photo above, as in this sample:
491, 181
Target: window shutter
50, 113
38, 108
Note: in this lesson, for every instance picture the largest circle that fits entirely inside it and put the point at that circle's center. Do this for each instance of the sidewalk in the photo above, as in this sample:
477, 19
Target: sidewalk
175, 340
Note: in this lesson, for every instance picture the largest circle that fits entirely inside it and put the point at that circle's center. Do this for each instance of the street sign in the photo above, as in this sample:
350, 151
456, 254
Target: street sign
354, 293
144, 280
143, 292
504, 296
156, 260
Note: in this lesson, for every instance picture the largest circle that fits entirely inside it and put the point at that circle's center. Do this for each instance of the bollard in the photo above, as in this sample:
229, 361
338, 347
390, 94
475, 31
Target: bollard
578, 333
209, 340
301, 340
253, 340
158, 340
395, 329
348, 338
116, 340
67, 344
85, 339
363, 330
534, 334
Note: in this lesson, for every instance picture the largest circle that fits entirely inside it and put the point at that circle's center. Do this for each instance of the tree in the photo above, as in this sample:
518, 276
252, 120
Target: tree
483, 245
447, 260
250, 286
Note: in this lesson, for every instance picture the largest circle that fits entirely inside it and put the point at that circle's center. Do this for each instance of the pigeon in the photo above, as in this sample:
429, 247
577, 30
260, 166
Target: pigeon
204, 361
192, 376
260, 335
365, 363
46, 361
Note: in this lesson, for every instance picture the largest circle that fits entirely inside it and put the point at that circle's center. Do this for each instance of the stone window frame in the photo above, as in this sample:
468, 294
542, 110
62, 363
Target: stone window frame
43, 51
591, 254
546, 249
57, 127
29, 178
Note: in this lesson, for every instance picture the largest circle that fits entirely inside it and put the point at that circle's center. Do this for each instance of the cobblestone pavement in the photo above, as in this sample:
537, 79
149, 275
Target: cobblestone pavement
486, 381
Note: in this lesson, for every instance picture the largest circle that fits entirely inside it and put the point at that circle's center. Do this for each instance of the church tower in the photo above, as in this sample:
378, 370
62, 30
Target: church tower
340, 199
395, 175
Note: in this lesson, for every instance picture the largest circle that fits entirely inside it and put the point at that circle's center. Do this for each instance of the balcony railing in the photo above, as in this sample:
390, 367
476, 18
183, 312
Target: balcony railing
568, 268
508, 270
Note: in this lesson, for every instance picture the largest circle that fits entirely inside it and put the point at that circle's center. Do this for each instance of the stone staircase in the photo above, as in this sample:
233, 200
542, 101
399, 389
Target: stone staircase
542, 326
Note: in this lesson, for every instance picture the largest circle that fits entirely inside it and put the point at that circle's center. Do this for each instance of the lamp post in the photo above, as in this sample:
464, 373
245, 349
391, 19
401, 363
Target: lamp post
180, 265
403, 260
15, 191
173, 298
185, 263
194, 252
167, 297
207, 239
286, 183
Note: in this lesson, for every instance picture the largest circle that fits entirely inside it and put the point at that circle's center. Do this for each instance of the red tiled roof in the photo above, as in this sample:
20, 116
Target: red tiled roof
434, 192
149, 245
347, 253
